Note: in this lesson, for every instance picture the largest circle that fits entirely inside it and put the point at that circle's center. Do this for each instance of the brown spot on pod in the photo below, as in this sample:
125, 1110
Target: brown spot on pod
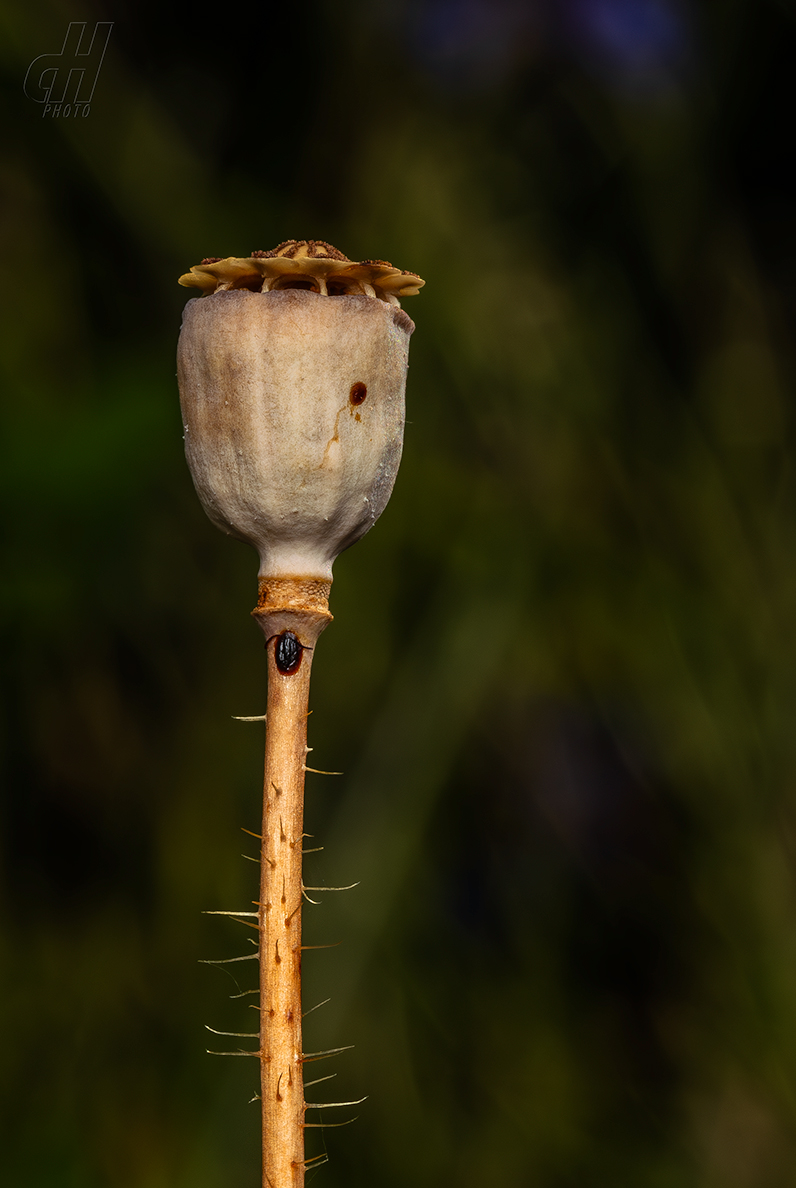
358, 393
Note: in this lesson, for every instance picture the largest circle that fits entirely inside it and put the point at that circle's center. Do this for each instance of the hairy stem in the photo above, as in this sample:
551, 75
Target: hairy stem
297, 608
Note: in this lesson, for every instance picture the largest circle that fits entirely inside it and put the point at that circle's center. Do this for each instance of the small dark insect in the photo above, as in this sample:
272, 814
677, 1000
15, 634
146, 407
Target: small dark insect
358, 393
287, 653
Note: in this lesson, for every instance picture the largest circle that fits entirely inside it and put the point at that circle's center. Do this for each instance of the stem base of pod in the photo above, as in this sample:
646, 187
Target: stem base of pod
296, 604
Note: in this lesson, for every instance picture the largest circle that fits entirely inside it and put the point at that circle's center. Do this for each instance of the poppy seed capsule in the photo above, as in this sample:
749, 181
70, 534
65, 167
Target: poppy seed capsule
293, 408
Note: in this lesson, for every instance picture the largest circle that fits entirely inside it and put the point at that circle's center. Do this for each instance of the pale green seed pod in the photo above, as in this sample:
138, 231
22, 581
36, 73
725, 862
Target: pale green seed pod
293, 400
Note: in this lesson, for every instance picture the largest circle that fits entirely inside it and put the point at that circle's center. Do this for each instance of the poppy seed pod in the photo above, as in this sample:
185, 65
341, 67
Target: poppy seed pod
292, 372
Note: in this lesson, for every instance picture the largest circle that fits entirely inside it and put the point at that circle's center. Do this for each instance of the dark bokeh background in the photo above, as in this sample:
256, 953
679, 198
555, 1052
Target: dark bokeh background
561, 680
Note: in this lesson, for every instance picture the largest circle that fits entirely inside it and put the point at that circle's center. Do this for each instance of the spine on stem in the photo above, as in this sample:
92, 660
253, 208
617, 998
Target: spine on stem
292, 614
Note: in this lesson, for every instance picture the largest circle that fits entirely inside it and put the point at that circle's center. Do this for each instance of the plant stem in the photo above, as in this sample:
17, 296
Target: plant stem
300, 607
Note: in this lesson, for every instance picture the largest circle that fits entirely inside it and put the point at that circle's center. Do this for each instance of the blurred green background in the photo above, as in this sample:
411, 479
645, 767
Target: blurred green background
561, 680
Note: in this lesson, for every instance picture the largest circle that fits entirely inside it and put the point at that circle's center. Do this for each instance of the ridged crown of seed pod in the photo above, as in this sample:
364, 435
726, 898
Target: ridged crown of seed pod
292, 371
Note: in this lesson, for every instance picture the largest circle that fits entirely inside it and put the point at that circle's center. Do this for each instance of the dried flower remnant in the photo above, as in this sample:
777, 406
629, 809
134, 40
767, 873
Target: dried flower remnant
307, 264
292, 369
